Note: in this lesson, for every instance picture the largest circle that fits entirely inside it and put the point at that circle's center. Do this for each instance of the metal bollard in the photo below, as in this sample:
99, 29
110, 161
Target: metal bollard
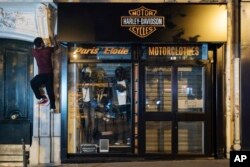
25, 154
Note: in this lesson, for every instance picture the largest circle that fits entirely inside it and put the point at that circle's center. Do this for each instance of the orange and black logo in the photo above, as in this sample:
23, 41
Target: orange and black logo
142, 21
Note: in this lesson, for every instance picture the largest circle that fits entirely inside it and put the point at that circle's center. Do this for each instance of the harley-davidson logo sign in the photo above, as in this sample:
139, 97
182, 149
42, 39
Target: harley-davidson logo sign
142, 21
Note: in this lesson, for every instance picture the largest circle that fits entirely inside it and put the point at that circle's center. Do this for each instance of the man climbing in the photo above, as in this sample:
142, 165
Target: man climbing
45, 75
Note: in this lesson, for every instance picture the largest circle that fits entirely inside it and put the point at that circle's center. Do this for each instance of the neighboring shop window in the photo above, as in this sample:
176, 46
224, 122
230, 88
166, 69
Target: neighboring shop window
99, 107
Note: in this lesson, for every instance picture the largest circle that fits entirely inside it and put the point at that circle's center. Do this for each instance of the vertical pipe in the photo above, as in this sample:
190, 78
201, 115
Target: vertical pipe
236, 145
228, 67
236, 21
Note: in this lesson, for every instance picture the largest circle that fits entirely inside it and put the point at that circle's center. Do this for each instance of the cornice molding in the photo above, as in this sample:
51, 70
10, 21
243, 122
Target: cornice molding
25, 21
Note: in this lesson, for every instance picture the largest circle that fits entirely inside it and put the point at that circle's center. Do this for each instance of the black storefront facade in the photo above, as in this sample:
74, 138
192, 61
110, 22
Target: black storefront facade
141, 80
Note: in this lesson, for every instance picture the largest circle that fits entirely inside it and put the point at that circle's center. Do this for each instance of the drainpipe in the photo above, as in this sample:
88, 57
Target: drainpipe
233, 54
236, 144
229, 52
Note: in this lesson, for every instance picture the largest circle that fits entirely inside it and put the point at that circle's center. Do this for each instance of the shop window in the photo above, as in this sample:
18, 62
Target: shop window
191, 137
191, 89
158, 136
99, 107
158, 89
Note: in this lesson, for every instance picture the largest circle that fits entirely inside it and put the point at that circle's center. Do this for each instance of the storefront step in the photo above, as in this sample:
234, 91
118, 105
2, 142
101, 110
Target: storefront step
11, 164
11, 155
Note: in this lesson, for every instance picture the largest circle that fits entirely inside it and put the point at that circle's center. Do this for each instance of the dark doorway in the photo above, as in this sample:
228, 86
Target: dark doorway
16, 69
182, 107
177, 114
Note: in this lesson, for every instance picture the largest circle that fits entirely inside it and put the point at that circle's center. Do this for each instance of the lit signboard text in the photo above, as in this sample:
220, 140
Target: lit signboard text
106, 51
174, 51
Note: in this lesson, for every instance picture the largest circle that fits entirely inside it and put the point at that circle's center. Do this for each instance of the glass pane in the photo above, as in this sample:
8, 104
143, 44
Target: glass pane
158, 89
99, 110
158, 136
191, 137
191, 89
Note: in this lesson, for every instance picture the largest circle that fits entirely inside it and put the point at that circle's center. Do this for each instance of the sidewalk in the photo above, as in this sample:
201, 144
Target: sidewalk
167, 163
179, 163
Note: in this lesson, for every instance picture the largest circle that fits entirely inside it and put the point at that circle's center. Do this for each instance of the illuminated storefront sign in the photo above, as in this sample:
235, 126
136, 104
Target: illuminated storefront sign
142, 21
98, 50
79, 54
171, 52
176, 52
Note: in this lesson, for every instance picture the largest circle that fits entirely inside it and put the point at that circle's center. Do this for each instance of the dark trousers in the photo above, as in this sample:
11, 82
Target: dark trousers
122, 123
89, 126
47, 80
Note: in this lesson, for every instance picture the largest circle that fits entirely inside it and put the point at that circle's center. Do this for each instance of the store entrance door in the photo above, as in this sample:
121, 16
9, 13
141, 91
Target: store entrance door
177, 108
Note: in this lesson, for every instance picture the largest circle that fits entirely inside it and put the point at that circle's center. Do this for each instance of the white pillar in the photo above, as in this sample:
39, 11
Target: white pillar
45, 148
236, 145
228, 81
236, 142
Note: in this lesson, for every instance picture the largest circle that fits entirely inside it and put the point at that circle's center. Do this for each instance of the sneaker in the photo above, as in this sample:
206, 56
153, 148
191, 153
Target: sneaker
128, 141
119, 142
42, 101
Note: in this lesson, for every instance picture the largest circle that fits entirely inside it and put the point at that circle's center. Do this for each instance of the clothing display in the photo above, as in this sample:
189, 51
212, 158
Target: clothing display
104, 105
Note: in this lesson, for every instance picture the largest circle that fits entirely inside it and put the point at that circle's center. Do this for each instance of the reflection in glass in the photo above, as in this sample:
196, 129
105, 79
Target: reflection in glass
158, 89
99, 98
191, 137
158, 136
191, 89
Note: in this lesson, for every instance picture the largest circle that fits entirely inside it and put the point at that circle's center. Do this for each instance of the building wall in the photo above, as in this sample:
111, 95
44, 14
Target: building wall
245, 68
22, 22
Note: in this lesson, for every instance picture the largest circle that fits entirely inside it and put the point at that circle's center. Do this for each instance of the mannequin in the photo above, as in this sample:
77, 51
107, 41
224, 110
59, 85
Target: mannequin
89, 113
86, 77
123, 123
121, 86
